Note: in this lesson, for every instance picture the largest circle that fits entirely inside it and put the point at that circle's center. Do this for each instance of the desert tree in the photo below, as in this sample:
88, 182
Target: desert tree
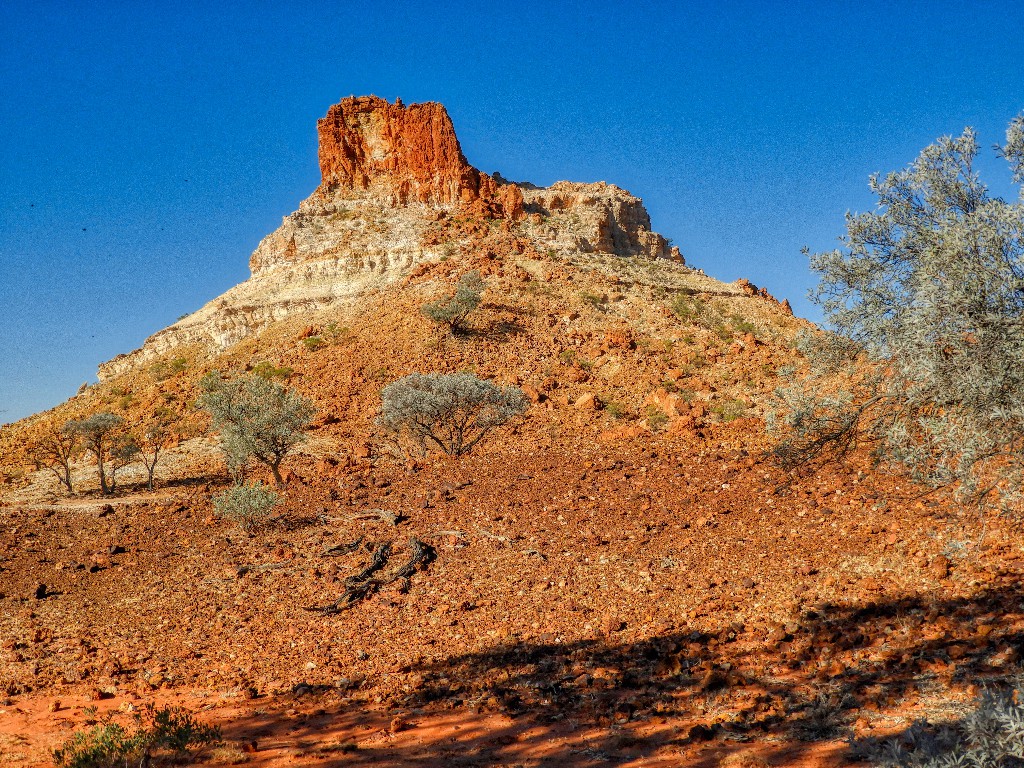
153, 439
97, 433
124, 451
54, 451
257, 419
923, 359
453, 311
452, 412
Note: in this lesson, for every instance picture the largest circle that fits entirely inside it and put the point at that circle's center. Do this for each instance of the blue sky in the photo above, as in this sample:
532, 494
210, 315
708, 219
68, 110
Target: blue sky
146, 149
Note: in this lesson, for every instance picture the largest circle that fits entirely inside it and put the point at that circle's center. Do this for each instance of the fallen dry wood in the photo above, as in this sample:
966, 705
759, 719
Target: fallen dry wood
344, 549
363, 584
384, 515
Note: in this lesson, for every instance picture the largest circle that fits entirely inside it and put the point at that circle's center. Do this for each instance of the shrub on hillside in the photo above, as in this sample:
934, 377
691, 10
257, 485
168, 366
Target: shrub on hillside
454, 311
257, 418
925, 357
248, 505
453, 411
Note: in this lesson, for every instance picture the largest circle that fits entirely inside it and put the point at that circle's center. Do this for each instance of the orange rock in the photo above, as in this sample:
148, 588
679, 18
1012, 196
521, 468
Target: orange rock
532, 394
587, 402
409, 154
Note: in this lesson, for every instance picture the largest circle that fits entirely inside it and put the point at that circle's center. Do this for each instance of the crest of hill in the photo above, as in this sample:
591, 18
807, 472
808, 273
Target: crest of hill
397, 191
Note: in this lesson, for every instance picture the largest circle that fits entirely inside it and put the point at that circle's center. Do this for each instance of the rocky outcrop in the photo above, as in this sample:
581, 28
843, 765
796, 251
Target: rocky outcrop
403, 154
594, 218
391, 175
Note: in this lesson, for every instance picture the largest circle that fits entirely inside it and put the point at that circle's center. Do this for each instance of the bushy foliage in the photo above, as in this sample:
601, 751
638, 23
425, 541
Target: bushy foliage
925, 357
452, 412
248, 505
97, 433
170, 731
257, 418
455, 310
991, 735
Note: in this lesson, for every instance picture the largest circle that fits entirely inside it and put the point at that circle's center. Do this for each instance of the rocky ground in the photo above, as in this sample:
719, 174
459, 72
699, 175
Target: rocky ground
657, 599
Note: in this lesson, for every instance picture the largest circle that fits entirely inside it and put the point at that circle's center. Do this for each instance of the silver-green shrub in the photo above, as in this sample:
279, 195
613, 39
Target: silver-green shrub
452, 411
924, 359
454, 311
991, 735
248, 505
257, 418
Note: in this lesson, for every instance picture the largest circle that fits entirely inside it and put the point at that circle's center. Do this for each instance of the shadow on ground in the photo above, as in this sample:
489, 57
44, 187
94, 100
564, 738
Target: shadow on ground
789, 696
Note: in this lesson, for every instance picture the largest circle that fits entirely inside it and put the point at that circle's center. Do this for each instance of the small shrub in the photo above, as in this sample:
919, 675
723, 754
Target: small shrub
170, 731
729, 410
455, 310
615, 409
567, 356
741, 325
991, 735
248, 505
656, 418
453, 412
269, 371
313, 343
337, 334
597, 302
165, 369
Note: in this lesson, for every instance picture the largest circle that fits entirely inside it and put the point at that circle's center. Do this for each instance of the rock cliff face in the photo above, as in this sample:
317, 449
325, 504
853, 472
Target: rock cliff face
392, 175
404, 154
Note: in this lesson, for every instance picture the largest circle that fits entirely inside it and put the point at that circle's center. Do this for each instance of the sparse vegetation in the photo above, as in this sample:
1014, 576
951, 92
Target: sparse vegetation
165, 369
166, 736
54, 452
455, 310
656, 418
452, 412
270, 371
257, 418
594, 300
729, 410
313, 343
150, 447
925, 360
615, 409
248, 505
97, 432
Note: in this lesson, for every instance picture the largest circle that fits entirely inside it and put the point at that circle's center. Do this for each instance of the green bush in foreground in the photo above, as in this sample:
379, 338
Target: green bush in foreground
248, 505
170, 732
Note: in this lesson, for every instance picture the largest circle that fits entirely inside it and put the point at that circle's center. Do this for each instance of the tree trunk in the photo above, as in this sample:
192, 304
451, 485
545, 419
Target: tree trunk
275, 468
103, 477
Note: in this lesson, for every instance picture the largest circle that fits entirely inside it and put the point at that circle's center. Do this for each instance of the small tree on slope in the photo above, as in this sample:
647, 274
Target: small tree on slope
97, 432
452, 411
925, 359
258, 419
454, 311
